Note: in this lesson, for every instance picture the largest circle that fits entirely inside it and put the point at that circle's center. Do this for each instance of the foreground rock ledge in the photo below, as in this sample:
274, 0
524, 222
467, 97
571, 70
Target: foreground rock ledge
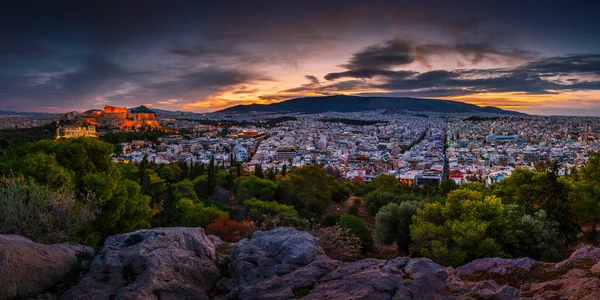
182, 263
28, 268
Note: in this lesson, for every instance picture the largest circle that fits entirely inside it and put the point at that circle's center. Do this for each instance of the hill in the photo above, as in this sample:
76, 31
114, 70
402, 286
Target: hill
343, 103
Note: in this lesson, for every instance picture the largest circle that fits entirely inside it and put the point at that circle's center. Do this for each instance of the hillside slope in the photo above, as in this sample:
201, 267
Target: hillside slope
342, 103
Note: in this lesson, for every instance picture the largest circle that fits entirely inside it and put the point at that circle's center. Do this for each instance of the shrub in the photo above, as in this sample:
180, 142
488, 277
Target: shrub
353, 210
230, 230
195, 214
376, 200
269, 207
217, 204
392, 224
331, 220
43, 214
358, 228
338, 243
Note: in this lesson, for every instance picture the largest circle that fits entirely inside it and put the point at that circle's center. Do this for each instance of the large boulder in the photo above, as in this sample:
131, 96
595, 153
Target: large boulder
162, 263
285, 263
28, 268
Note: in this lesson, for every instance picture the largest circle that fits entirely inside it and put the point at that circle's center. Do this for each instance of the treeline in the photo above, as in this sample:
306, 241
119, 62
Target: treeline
124, 197
70, 190
352, 121
531, 213
17, 135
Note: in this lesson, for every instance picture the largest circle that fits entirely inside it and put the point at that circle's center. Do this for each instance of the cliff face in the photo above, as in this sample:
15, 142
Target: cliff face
184, 263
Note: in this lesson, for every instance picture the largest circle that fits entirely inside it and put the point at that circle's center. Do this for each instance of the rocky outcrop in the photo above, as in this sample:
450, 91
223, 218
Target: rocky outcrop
183, 263
162, 263
285, 263
28, 268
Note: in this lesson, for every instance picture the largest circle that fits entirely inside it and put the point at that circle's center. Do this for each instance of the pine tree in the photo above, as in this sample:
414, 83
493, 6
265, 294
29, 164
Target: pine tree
258, 172
283, 170
212, 176
141, 175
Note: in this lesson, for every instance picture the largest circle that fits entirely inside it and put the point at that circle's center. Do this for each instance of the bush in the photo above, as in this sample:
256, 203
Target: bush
353, 210
217, 204
331, 220
358, 228
376, 200
269, 207
462, 229
338, 243
194, 214
230, 230
392, 224
254, 187
43, 214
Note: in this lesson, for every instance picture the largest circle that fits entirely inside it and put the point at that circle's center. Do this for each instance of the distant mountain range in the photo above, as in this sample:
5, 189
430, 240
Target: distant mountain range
7, 112
342, 103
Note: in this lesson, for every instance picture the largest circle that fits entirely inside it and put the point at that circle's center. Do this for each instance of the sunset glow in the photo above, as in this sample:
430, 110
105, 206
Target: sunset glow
199, 57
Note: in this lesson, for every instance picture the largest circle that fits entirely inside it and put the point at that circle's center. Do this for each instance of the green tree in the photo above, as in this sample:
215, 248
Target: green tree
201, 186
269, 207
447, 186
136, 213
308, 188
461, 229
535, 191
212, 177
392, 224
586, 195
46, 170
258, 172
184, 189
254, 187
142, 176
358, 228
529, 235
377, 199
195, 214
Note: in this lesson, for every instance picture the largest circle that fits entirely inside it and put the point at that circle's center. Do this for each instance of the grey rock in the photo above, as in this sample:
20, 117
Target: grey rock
285, 263
581, 254
28, 268
162, 263
497, 266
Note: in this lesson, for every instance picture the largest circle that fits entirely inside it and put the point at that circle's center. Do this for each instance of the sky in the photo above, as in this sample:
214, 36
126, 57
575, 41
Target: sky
538, 57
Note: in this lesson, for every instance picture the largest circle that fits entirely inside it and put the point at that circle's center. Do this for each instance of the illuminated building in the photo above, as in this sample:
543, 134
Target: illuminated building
69, 131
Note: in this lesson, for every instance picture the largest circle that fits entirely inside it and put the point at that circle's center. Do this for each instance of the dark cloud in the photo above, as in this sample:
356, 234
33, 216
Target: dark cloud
380, 59
473, 52
312, 79
534, 78
368, 73
573, 63
392, 53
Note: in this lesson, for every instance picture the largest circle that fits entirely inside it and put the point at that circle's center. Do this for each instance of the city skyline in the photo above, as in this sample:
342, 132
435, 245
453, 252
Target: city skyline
530, 56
